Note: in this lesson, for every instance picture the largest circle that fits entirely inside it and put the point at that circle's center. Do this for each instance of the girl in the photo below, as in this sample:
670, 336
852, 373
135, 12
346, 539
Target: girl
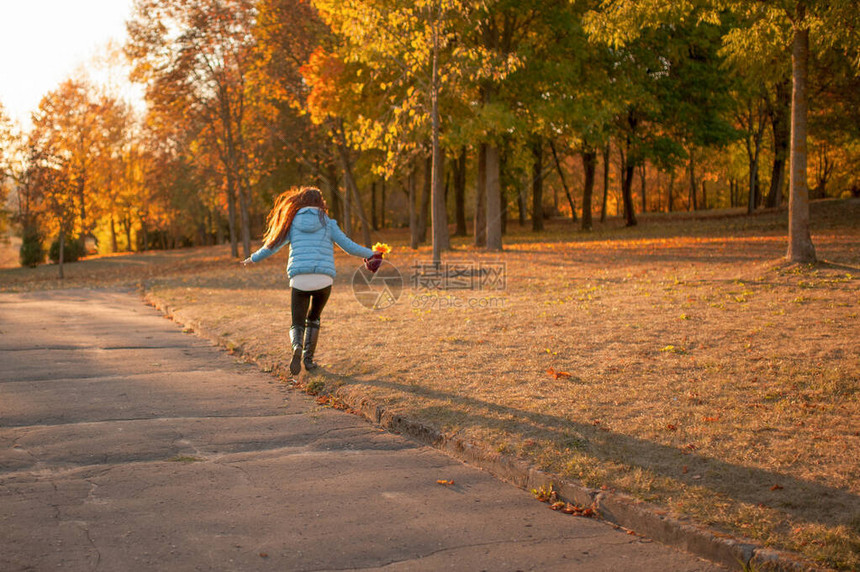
299, 219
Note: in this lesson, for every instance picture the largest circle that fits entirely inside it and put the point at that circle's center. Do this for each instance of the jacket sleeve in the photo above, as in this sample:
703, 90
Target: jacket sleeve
346, 243
264, 252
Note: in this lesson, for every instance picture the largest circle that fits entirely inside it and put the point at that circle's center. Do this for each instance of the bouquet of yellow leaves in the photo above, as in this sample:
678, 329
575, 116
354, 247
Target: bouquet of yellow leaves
373, 263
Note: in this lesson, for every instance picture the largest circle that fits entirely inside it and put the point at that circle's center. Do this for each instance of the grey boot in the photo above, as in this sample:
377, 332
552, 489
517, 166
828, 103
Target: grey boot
312, 334
297, 334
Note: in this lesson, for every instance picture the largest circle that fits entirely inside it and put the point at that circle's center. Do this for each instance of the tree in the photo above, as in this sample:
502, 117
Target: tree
755, 27
195, 57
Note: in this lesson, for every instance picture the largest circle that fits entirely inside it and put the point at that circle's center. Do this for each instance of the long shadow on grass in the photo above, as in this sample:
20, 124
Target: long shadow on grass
811, 501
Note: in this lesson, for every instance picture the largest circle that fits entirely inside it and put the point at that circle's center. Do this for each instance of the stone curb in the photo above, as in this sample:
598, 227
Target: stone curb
616, 508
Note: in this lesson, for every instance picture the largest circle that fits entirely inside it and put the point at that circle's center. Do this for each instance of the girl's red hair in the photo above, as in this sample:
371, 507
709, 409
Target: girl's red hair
286, 206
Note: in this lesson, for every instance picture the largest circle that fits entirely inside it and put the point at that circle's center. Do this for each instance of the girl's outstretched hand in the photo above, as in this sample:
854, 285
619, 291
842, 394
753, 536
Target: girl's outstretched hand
246, 262
374, 262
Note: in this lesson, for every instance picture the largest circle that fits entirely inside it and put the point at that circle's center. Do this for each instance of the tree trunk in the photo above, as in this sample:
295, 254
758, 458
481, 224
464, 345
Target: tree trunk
427, 189
781, 126
62, 242
382, 205
570, 200
336, 203
244, 208
521, 200
537, 185
481, 198
589, 165
642, 175
605, 180
114, 247
413, 211
671, 188
460, 193
352, 193
373, 222
231, 213
439, 213
627, 195
800, 247
692, 205
494, 198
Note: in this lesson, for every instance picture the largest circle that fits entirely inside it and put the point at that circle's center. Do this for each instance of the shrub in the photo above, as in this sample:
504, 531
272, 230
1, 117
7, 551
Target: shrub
73, 250
32, 253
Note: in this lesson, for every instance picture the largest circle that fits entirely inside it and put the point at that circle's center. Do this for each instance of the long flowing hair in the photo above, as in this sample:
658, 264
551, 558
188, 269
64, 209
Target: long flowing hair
286, 206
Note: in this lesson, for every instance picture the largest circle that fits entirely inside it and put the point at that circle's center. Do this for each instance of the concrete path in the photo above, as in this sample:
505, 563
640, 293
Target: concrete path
128, 445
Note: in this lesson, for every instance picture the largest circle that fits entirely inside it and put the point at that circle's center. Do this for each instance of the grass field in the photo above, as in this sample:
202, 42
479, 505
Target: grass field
681, 361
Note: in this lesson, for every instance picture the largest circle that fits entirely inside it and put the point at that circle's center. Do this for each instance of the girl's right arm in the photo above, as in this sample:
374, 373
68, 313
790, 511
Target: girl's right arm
265, 252
343, 241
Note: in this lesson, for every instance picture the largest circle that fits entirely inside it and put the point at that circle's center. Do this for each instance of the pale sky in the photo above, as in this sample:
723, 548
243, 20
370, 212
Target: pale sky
43, 42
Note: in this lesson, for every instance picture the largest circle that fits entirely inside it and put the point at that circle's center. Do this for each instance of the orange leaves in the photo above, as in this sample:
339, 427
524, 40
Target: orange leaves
550, 496
671, 427
445, 482
557, 374
776, 487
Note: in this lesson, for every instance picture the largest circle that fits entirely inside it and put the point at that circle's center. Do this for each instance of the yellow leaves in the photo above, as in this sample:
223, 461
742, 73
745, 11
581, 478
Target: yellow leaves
381, 247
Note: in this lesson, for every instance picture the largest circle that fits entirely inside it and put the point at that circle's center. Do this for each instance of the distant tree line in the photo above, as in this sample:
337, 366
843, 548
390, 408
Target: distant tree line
445, 116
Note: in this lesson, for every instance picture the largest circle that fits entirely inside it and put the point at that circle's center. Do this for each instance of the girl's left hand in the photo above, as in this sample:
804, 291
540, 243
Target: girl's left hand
246, 262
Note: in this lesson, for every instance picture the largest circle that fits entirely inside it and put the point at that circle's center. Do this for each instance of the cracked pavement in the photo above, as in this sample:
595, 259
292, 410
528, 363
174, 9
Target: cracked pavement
126, 444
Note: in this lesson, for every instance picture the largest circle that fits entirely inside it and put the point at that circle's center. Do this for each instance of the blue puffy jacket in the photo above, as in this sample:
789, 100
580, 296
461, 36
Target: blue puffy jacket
311, 238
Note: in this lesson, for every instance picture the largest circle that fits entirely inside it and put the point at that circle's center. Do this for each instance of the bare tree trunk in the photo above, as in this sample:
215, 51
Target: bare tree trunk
537, 185
521, 200
352, 193
692, 204
441, 239
373, 221
671, 188
800, 247
114, 247
589, 165
62, 242
382, 205
231, 214
481, 198
427, 189
413, 212
570, 200
642, 174
605, 180
460, 193
494, 199
244, 208
781, 126
627, 195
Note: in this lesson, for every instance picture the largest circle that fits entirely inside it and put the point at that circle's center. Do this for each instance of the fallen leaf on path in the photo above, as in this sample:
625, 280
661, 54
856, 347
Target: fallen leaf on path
444, 482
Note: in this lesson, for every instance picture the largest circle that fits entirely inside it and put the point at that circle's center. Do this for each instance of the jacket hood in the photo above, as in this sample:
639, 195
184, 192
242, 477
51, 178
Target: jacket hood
308, 220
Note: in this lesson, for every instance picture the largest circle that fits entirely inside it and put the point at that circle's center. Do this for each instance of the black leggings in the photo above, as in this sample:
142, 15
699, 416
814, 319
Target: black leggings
300, 301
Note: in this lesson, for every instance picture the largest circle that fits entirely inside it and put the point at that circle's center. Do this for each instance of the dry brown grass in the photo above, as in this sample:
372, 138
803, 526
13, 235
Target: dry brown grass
705, 375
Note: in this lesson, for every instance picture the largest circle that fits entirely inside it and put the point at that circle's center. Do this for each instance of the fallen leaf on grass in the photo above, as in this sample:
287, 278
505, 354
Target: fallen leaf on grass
672, 427
557, 374
776, 488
